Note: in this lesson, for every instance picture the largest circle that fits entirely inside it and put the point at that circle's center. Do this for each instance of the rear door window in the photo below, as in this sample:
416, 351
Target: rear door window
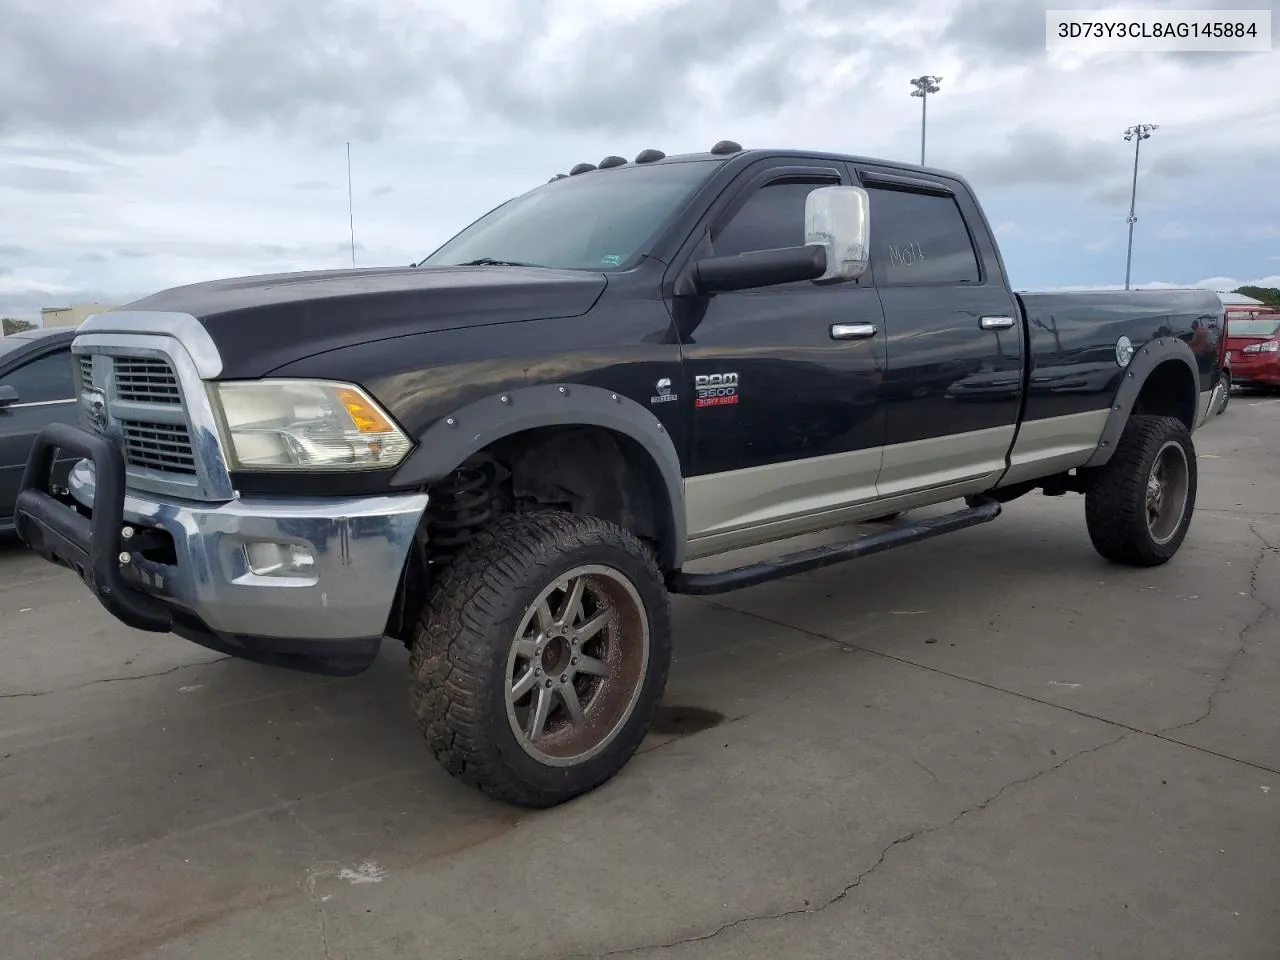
918, 239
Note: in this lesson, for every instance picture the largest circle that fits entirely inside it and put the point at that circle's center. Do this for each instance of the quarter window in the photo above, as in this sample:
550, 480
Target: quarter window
919, 238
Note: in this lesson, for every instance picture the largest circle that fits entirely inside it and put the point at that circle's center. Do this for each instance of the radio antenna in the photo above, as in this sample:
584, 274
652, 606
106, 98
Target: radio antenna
350, 210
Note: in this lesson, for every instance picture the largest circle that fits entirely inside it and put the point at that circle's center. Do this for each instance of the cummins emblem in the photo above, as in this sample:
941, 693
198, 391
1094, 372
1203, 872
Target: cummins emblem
715, 389
664, 394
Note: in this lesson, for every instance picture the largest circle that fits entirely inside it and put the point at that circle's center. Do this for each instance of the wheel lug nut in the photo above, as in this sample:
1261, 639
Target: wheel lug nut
548, 681
564, 678
574, 661
537, 671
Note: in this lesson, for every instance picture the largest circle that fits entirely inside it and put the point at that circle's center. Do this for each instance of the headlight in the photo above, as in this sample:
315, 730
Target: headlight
305, 425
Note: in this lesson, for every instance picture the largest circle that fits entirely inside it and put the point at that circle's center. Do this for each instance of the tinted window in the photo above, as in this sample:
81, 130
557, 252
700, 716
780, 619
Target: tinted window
48, 378
772, 217
919, 238
593, 221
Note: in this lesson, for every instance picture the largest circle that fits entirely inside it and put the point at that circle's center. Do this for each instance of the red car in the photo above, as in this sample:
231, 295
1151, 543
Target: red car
1253, 348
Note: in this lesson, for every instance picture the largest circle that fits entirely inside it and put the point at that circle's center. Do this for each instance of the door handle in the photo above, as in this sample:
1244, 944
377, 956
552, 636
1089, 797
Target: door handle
852, 331
996, 323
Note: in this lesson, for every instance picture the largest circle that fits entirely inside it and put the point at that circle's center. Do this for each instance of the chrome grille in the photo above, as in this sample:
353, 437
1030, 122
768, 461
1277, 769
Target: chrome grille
146, 376
145, 380
158, 446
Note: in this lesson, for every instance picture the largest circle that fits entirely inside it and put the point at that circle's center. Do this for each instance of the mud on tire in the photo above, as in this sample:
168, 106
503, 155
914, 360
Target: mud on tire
1138, 506
501, 611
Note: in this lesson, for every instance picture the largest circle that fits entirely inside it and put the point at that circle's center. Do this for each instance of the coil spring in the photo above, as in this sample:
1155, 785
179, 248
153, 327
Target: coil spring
460, 505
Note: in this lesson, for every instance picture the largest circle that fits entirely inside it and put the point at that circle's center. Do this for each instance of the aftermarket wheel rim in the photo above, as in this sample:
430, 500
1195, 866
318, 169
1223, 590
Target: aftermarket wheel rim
1168, 485
577, 665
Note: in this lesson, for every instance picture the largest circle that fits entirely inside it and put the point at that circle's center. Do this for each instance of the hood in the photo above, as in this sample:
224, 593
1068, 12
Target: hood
260, 323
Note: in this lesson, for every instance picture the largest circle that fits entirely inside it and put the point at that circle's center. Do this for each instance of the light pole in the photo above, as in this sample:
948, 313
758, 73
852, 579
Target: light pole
1137, 133
923, 87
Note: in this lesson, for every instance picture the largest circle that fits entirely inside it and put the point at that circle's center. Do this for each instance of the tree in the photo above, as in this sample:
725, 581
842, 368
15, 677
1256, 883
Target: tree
9, 325
1268, 295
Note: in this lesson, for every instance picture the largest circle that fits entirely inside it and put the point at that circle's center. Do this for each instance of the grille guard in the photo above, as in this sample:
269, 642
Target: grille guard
89, 546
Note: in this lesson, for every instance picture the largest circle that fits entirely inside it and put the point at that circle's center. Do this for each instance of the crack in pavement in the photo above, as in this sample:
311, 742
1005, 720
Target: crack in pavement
1243, 645
871, 652
844, 893
92, 683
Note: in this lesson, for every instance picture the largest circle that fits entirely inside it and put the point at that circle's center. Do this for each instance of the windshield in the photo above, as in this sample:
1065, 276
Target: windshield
593, 221
1252, 328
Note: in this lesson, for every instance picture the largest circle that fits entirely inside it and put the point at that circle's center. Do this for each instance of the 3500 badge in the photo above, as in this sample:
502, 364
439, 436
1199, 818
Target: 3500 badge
715, 389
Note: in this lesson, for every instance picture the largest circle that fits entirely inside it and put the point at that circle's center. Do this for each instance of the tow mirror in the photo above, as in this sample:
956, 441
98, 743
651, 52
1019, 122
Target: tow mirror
759, 268
839, 220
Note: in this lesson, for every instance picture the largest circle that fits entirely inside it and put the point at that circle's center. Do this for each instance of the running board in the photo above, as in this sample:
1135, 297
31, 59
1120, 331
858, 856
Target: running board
981, 510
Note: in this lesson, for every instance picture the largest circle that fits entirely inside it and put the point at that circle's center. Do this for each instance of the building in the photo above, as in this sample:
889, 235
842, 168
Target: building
1230, 299
71, 316
1240, 307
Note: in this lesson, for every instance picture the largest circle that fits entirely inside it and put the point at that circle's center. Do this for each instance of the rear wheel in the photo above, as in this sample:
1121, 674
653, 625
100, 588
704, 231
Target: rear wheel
1139, 505
541, 657
1226, 392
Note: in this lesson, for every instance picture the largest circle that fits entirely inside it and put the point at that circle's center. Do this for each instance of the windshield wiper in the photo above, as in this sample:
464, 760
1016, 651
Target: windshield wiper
491, 262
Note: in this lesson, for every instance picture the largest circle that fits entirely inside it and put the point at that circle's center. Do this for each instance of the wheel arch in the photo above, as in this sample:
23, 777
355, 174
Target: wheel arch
1162, 379
557, 411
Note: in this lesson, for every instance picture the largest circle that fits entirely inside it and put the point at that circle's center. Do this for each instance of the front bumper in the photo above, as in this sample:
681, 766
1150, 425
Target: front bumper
278, 580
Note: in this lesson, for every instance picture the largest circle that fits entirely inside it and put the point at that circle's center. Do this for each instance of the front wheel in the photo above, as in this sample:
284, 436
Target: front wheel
541, 656
1139, 505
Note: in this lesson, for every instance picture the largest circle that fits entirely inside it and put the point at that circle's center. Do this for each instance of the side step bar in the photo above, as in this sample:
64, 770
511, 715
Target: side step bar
980, 510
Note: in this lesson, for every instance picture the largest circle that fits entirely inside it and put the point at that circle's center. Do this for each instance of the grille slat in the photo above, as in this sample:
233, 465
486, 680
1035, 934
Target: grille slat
144, 380
159, 446
133, 384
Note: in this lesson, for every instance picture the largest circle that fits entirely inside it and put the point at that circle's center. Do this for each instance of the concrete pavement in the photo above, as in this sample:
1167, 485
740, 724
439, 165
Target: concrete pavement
990, 745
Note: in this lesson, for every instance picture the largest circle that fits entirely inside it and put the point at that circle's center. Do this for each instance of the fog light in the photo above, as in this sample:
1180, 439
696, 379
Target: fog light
279, 559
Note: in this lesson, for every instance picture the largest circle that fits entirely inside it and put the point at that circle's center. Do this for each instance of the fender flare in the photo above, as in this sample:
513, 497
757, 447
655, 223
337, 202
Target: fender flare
469, 429
1144, 361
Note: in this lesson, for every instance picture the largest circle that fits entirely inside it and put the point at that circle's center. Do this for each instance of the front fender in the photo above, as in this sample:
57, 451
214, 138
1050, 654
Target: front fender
449, 441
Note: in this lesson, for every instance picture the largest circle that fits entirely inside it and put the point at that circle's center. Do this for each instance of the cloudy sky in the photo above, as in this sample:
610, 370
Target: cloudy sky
148, 143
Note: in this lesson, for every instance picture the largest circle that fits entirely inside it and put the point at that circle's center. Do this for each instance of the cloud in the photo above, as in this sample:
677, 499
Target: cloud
1034, 155
213, 141
38, 179
1216, 284
1172, 231
328, 65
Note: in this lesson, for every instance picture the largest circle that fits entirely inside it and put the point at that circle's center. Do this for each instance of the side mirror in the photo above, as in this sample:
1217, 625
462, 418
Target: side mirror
8, 395
759, 268
839, 220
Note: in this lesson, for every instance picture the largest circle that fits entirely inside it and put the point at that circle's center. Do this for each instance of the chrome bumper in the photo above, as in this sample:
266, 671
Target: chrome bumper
305, 568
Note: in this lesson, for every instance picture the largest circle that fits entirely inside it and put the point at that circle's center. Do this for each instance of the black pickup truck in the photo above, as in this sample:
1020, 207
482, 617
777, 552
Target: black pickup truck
506, 456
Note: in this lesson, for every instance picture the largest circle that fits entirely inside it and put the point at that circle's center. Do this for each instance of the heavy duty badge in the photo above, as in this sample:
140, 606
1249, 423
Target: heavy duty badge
715, 389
